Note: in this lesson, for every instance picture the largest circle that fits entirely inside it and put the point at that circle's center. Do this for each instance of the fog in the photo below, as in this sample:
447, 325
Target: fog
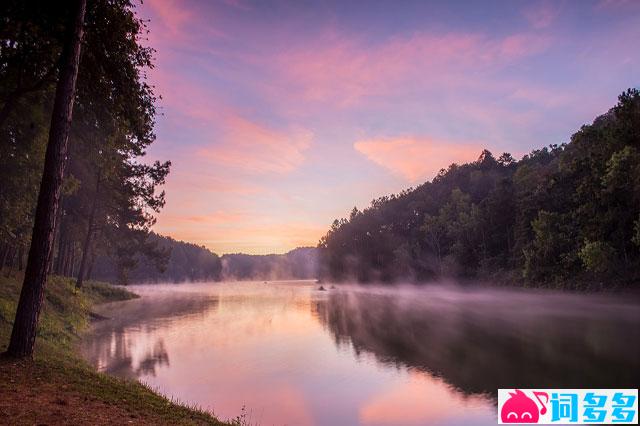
480, 339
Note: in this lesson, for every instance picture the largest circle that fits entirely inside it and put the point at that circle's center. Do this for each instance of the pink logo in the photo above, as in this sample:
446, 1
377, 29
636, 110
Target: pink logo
519, 408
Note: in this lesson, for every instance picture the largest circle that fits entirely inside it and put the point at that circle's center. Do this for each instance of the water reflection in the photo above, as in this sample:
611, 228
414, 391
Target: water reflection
157, 357
479, 341
126, 343
293, 355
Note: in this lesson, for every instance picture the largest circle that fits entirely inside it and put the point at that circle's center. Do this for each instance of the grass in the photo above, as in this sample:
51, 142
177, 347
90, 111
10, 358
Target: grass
57, 386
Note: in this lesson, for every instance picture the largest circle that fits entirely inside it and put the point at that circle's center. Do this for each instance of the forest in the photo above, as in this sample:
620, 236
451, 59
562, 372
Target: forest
565, 216
109, 196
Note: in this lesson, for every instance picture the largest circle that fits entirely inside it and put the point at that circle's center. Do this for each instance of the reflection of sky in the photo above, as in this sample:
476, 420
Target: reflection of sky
279, 116
267, 350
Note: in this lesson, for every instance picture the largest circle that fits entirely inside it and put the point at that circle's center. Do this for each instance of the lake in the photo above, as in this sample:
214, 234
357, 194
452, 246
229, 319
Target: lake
293, 355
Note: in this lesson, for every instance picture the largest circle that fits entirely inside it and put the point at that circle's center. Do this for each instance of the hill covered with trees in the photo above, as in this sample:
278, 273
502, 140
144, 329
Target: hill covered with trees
564, 215
178, 261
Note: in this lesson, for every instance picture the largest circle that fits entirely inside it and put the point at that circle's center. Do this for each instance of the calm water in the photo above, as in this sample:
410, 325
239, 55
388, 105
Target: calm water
373, 356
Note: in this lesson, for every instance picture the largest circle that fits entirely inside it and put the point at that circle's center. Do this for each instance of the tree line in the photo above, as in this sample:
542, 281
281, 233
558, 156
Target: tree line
187, 262
182, 262
565, 215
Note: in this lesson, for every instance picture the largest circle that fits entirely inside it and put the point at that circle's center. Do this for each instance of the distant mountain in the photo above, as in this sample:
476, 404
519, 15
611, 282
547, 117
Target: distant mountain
300, 263
179, 261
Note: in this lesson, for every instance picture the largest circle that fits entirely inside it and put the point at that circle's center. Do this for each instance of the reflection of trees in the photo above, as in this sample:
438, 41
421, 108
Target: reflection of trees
158, 356
109, 346
479, 347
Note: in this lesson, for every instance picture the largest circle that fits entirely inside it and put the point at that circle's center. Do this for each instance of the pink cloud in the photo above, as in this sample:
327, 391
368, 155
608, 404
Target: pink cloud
172, 15
217, 217
238, 4
183, 98
541, 15
232, 140
417, 158
343, 70
256, 148
616, 4
193, 175
519, 46
541, 96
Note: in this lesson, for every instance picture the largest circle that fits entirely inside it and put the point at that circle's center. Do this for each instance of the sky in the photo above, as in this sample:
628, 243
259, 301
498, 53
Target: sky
281, 116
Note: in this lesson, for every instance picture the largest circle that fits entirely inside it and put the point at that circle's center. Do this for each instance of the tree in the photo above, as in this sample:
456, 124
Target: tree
435, 230
31, 297
109, 194
32, 33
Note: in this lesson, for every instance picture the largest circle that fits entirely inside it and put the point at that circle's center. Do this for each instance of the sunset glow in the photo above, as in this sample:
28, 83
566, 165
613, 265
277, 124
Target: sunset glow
279, 116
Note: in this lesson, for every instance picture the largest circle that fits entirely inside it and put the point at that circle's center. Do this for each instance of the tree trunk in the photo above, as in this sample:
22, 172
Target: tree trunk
63, 258
23, 335
87, 240
93, 250
72, 260
57, 268
20, 258
66, 266
9, 261
92, 262
57, 237
3, 254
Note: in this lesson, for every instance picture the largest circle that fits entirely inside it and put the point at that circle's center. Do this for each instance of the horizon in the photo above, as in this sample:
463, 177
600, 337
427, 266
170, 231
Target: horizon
287, 115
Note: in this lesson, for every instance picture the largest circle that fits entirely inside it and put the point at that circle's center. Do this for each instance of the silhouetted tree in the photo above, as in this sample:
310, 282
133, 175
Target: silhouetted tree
31, 297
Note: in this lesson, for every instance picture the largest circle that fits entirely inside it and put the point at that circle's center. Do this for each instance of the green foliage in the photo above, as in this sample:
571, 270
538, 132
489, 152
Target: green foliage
597, 256
550, 249
563, 215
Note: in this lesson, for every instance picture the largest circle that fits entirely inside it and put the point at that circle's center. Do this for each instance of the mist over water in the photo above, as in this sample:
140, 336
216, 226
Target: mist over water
363, 355
480, 340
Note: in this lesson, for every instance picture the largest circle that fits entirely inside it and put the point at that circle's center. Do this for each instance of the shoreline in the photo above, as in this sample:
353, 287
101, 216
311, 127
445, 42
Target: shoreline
57, 386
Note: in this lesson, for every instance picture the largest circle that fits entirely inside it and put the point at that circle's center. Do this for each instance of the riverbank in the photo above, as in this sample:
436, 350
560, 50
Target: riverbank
57, 387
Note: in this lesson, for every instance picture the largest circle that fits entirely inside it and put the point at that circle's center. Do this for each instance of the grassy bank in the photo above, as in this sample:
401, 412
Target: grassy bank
57, 387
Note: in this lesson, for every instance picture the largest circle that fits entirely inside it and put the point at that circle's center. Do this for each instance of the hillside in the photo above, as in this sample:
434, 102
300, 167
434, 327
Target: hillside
565, 215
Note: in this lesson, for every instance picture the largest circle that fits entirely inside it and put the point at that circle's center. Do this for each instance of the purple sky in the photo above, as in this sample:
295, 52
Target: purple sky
281, 116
